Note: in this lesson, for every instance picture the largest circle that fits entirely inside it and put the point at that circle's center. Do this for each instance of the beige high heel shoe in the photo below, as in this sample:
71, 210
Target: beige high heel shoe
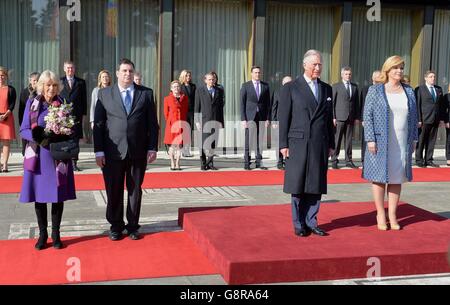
396, 226
382, 226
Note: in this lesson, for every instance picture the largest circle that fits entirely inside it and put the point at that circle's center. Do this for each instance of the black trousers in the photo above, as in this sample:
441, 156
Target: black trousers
427, 140
447, 144
344, 130
252, 139
208, 149
115, 174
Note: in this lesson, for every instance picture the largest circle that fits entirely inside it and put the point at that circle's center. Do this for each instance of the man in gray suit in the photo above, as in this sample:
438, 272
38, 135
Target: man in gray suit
125, 139
345, 116
306, 139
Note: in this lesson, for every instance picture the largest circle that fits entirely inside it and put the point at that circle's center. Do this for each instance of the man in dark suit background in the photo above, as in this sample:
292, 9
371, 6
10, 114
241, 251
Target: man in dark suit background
306, 140
255, 108
209, 118
125, 140
345, 116
431, 112
275, 100
74, 91
362, 99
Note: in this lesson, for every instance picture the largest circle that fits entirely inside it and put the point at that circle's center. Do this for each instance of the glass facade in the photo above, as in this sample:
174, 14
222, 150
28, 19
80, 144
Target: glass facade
291, 30
373, 42
201, 44
113, 29
208, 35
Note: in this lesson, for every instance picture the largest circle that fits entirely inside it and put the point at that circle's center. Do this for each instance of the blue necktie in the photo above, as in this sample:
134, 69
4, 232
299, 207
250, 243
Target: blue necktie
127, 102
433, 94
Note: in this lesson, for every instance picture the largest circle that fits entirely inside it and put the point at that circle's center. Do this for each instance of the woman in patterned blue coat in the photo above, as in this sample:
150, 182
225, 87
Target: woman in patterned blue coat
390, 130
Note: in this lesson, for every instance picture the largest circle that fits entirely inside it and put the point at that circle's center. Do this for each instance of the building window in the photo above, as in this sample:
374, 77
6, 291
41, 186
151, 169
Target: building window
113, 29
214, 35
291, 30
373, 42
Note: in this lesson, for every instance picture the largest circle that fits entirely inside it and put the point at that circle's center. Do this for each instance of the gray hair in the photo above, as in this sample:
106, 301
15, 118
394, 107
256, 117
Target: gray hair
310, 53
346, 68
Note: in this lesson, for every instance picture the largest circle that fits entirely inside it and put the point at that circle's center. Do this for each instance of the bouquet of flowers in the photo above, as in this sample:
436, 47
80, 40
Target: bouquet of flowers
58, 124
59, 120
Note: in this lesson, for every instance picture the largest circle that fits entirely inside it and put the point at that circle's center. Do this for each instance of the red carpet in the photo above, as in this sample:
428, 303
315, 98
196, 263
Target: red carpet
156, 255
89, 182
256, 244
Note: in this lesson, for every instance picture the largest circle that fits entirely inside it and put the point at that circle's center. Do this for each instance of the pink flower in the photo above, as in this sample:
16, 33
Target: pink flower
56, 104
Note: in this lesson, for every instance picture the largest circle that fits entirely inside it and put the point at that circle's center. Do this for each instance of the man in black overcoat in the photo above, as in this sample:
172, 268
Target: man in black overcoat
307, 141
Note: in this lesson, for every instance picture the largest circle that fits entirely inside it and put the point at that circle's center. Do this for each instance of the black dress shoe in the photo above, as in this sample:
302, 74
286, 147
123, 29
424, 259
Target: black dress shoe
213, 168
280, 166
420, 164
302, 232
261, 167
247, 167
114, 236
319, 231
432, 164
204, 168
42, 242
134, 235
56, 239
334, 165
351, 164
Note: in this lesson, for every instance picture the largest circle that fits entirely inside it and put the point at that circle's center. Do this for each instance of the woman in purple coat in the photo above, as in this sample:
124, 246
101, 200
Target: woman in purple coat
40, 184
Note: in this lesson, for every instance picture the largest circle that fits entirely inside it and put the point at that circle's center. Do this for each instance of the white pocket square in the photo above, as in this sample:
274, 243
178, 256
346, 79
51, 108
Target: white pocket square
329, 99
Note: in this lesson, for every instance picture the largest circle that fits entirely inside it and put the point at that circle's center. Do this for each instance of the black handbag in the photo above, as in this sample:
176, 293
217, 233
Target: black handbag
65, 150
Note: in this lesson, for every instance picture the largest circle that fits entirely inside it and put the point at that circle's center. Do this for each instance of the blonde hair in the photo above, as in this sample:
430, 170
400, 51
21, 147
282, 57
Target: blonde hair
183, 74
175, 82
99, 78
4, 70
44, 78
390, 63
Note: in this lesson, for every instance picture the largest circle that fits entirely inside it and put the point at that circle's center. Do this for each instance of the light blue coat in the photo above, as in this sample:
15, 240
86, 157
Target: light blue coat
376, 129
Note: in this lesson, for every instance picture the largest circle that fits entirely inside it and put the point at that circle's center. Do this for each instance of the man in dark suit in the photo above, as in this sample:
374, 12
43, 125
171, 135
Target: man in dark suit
447, 125
125, 140
275, 99
362, 99
306, 140
345, 116
255, 108
74, 91
209, 119
431, 111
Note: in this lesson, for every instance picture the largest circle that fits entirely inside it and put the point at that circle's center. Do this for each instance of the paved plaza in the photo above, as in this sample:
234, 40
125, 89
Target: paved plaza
86, 215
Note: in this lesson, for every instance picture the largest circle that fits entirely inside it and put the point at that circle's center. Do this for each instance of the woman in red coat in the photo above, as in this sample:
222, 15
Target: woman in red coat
177, 131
